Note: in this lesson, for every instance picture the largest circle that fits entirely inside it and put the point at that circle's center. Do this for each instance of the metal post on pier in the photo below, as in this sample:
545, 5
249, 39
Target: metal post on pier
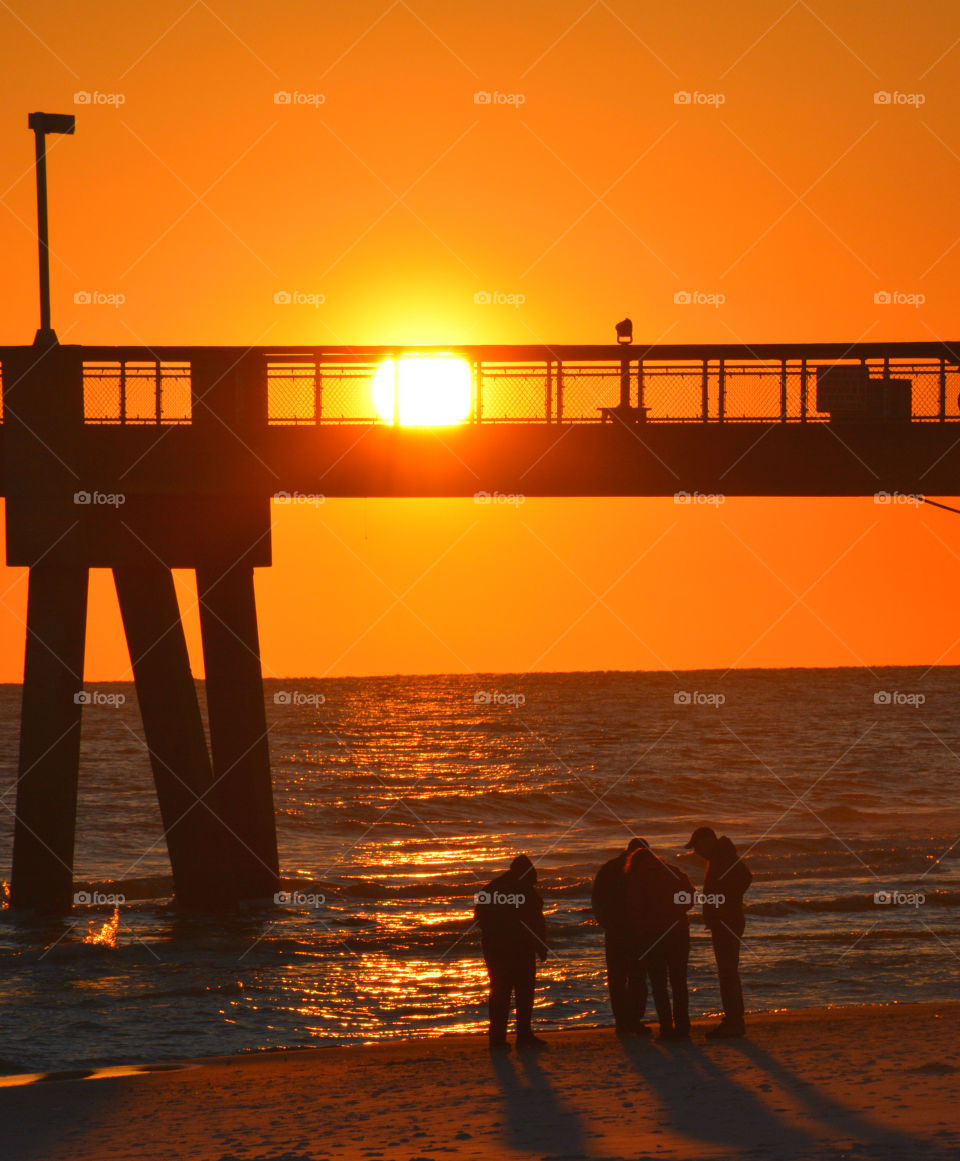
559, 392
42, 124
477, 391
783, 390
549, 391
318, 390
624, 405
705, 392
624, 330
158, 393
803, 390
641, 393
942, 393
721, 392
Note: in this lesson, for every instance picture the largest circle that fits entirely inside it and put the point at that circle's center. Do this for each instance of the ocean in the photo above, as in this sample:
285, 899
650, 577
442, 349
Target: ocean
397, 798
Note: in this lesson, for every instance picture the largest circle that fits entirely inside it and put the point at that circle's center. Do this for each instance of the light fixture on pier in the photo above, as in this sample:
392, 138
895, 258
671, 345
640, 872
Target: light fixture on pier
625, 331
42, 124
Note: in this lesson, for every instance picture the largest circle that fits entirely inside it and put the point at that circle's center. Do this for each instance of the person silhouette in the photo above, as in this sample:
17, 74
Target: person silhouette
659, 895
626, 978
726, 879
509, 912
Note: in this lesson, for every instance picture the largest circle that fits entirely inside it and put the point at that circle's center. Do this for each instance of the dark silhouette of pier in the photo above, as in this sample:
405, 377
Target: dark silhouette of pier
143, 460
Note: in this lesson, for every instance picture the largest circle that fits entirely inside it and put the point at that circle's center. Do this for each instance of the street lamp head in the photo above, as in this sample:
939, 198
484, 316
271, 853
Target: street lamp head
52, 122
625, 331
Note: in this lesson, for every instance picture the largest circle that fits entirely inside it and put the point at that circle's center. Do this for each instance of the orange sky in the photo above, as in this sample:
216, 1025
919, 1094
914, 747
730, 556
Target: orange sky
398, 198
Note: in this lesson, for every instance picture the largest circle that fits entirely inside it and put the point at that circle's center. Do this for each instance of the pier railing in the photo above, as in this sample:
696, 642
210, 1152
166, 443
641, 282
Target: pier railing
520, 385
554, 391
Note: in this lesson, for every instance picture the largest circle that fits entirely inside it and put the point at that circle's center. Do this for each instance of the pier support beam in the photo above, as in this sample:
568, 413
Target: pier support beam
243, 793
50, 738
196, 840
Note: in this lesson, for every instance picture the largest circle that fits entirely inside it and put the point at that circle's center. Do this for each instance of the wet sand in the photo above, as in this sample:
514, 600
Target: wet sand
870, 1082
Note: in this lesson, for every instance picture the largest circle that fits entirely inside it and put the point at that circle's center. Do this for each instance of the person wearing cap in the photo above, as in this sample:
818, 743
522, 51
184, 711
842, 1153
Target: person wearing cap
725, 882
659, 895
626, 978
509, 912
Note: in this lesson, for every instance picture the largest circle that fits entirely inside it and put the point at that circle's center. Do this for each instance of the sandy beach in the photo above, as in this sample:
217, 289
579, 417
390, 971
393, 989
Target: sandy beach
871, 1082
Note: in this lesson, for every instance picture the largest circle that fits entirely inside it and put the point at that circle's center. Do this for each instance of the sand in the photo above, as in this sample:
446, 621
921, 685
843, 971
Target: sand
871, 1082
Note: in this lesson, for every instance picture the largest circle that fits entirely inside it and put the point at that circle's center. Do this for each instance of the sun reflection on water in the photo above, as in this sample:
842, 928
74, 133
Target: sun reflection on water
104, 934
380, 988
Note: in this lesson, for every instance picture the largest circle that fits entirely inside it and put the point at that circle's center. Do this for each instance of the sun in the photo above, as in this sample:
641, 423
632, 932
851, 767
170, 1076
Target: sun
428, 390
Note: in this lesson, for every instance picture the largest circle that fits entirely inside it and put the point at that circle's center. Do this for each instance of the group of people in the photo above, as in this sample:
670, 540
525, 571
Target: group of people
642, 902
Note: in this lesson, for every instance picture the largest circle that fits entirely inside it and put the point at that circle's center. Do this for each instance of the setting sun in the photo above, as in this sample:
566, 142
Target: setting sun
426, 390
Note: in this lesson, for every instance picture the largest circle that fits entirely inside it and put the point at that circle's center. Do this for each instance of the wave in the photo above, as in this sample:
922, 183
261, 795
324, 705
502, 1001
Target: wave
356, 902
890, 901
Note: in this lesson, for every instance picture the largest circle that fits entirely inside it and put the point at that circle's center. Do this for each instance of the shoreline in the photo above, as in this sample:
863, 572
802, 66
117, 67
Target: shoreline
871, 1081
699, 1025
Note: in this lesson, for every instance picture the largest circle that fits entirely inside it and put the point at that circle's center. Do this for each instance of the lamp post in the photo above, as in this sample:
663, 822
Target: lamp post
42, 124
625, 339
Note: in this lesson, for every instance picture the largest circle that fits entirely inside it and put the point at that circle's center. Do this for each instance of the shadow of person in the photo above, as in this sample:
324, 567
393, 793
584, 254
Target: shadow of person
700, 1100
536, 1121
842, 1120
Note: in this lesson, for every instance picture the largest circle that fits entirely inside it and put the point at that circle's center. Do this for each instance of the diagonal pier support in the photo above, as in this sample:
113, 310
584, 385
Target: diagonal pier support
196, 840
243, 791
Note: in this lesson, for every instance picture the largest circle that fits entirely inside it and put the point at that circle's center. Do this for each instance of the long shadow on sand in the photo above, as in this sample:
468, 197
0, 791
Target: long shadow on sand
876, 1141
536, 1121
702, 1101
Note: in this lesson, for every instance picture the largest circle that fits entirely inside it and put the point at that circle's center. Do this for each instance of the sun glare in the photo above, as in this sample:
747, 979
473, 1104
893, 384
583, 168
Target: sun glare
427, 390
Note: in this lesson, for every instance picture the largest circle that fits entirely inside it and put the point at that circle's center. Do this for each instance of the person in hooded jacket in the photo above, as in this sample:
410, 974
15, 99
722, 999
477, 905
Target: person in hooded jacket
509, 912
626, 978
659, 895
727, 878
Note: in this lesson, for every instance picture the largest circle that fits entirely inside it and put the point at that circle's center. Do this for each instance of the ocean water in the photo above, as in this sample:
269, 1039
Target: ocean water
398, 798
